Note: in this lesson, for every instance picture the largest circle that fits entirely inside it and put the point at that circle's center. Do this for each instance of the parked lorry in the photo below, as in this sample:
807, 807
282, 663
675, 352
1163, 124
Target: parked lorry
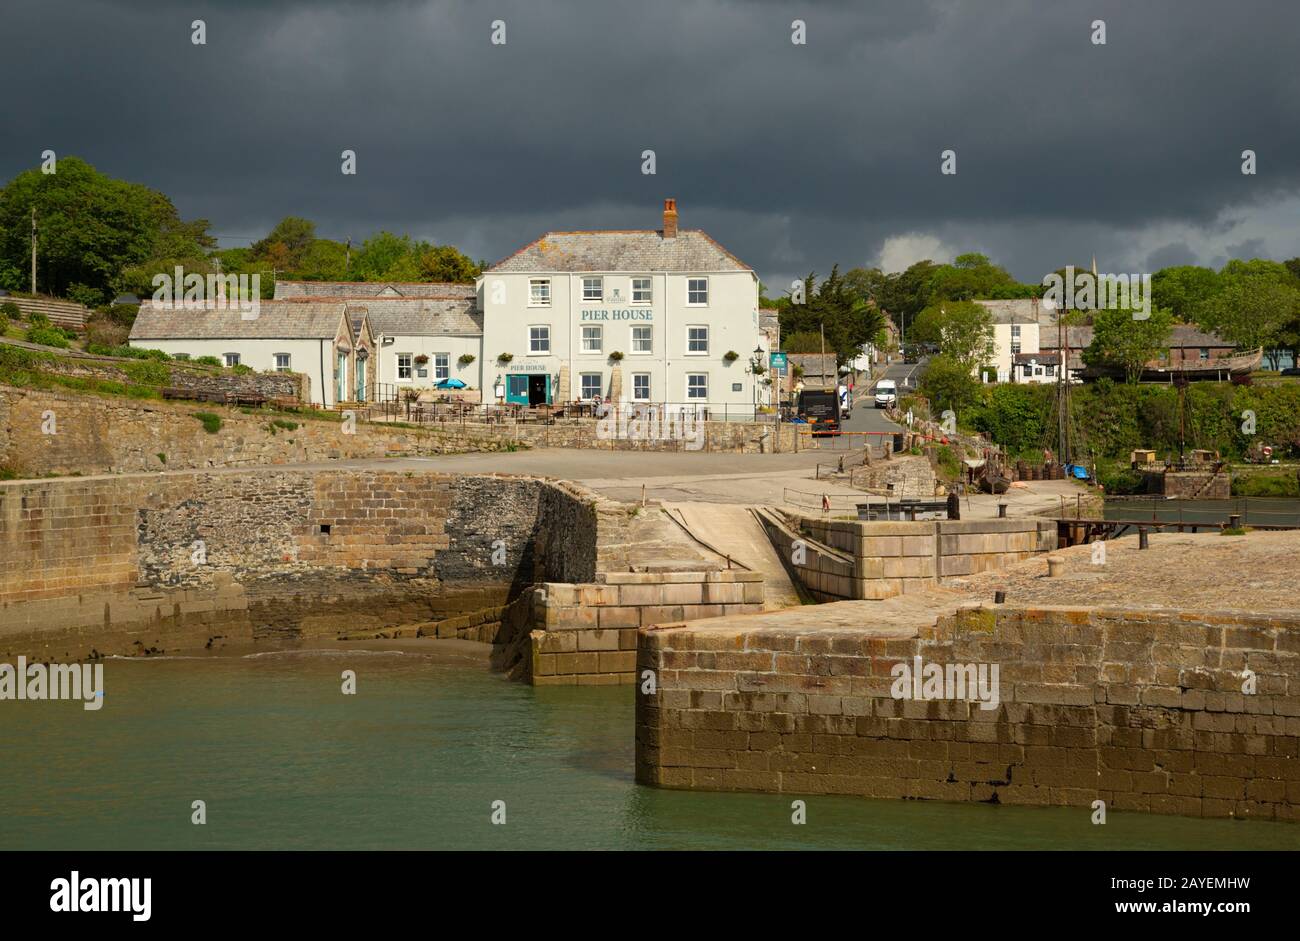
820, 408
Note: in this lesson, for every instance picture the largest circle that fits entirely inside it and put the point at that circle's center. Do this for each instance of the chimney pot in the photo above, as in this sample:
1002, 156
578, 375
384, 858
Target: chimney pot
670, 218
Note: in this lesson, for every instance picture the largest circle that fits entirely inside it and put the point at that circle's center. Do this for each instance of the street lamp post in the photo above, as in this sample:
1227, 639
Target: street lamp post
755, 369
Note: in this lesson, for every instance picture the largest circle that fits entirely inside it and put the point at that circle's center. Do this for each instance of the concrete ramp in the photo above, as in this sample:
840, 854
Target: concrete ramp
731, 529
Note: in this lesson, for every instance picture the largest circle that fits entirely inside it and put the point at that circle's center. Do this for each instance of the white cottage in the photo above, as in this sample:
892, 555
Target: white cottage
424, 332
312, 337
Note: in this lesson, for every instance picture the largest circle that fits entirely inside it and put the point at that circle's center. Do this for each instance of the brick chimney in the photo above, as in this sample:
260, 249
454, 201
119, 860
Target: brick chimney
670, 218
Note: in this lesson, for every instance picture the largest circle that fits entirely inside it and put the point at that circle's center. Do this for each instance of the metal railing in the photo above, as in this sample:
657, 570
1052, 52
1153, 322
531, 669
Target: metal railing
1262, 512
446, 409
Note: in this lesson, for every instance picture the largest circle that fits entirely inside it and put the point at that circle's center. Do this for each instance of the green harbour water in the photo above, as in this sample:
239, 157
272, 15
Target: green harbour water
416, 758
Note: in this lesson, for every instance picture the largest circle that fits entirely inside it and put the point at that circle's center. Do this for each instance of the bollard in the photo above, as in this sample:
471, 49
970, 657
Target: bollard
1002, 511
1055, 566
1142, 537
999, 597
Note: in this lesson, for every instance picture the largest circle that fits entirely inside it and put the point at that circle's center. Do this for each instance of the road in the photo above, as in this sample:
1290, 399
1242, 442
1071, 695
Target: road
865, 416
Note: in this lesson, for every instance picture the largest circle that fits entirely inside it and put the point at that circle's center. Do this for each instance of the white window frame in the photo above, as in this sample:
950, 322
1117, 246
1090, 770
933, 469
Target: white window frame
599, 296
632, 340
533, 301
582, 384
691, 303
287, 361
599, 338
697, 326
693, 375
410, 367
544, 337
635, 377
441, 364
228, 357
649, 291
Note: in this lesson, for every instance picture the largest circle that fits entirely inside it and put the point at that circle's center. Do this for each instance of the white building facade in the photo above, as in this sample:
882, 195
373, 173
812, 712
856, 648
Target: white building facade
315, 338
651, 316
1019, 328
654, 316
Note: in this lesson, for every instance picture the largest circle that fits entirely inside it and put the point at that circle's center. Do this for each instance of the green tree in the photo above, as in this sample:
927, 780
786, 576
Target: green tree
906, 293
1252, 307
869, 284
948, 384
447, 263
972, 276
1121, 341
802, 341
286, 246
962, 329
1016, 416
89, 228
848, 320
386, 257
1182, 289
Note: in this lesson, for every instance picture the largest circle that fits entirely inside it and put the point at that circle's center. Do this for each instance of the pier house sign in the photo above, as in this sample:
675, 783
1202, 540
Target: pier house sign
618, 314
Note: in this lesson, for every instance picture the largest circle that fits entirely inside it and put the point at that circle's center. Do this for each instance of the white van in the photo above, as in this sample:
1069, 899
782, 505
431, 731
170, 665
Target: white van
886, 393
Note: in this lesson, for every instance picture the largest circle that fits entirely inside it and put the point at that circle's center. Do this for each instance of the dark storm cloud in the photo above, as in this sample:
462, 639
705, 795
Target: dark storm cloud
793, 156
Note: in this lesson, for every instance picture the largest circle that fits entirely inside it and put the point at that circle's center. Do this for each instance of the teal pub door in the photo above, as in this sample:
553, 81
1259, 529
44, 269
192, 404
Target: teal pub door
531, 389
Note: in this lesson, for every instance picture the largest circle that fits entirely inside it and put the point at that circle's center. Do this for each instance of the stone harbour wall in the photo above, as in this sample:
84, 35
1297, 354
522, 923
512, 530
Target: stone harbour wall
1141, 709
1190, 485
585, 635
848, 559
103, 435
94, 556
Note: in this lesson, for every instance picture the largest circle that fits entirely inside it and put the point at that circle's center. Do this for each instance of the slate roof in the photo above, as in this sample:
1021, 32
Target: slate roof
1184, 335
281, 320
818, 368
1180, 336
1021, 310
631, 251
1078, 338
345, 289
430, 316
1043, 359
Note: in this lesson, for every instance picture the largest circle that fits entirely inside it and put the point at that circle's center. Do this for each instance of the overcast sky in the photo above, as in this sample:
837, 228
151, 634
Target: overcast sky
794, 157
